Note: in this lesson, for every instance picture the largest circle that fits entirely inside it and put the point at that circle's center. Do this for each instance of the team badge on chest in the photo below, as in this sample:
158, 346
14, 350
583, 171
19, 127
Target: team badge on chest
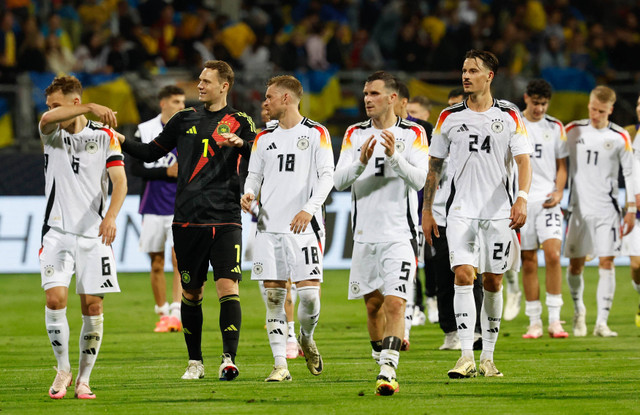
497, 126
303, 143
608, 145
400, 146
91, 147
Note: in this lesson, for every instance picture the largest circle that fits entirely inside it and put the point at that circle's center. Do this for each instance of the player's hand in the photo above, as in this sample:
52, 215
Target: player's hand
106, 115
245, 202
232, 140
389, 142
300, 222
628, 223
172, 171
553, 199
518, 214
429, 226
107, 230
366, 151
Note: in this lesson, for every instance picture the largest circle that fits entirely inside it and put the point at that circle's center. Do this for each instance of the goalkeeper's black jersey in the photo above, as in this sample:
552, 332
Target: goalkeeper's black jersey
208, 191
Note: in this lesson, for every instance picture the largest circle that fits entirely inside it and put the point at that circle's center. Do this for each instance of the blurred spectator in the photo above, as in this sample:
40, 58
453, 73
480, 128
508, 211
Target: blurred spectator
94, 14
91, 55
164, 31
316, 48
365, 53
257, 56
410, 50
293, 55
8, 47
31, 56
59, 60
236, 37
54, 27
338, 46
552, 54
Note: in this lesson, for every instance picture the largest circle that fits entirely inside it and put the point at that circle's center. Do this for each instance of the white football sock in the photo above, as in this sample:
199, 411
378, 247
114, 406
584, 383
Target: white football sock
308, 309
90, 341
277, 324
511, 277
576, 288
291, 331
554, 304
490, 321
533, 310
408, 318
604, 294
174, 310
163, 310
464, 308
636, 286
294, 294
58, 330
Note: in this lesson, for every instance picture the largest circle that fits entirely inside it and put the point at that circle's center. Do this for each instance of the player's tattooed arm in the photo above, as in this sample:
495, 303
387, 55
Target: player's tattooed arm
429, 225
433, 178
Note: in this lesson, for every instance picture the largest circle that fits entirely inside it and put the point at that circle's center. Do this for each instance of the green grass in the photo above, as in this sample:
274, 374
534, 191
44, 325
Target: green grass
139, 371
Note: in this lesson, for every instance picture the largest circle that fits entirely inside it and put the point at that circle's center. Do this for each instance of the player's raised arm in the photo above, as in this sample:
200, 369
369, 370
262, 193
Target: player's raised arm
433, 178
349, 168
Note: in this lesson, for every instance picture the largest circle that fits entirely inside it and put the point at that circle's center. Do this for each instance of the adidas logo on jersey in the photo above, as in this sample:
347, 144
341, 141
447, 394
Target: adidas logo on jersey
107, 284
272, 146
192, 130
463, 128
401, 288
316, 271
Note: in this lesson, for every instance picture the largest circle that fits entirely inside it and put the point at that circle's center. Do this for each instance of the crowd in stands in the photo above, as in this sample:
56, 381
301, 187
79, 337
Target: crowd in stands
105, 36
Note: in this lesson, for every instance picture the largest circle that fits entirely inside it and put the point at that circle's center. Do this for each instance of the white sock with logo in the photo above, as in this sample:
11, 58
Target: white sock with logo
533, 310
308, 309
490, 321
277, 324
58, 330
90, 341
576, 288
464, 308
554, 304
604, 294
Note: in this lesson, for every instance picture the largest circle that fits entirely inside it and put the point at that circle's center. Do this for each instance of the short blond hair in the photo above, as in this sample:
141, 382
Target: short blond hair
287, 82
604, 94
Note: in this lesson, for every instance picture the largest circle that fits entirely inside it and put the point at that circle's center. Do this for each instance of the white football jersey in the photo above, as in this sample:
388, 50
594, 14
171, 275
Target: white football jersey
149, 130
292, 163
481, 147
549, 142
384, 199
595, 158
76, 181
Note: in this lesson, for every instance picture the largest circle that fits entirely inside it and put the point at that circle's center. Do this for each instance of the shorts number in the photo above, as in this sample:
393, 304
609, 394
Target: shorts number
106, 266
497, 251
473, 144
406, 269
289, 163
379, 166
237, 246
551, 217
314, 255
615, 234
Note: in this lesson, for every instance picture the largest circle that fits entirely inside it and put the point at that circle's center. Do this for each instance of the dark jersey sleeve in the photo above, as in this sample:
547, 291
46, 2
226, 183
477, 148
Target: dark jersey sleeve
247, 132
428, 128
148, 173
161, 145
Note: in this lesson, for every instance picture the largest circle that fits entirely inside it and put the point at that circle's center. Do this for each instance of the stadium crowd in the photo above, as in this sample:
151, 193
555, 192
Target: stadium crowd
105, 36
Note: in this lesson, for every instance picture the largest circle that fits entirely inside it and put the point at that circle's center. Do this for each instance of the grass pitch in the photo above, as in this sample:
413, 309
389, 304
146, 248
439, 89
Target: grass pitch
138, 371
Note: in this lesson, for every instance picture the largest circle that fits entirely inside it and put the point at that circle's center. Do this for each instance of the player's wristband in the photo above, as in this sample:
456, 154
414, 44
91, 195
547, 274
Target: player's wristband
523, 195
632, 209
